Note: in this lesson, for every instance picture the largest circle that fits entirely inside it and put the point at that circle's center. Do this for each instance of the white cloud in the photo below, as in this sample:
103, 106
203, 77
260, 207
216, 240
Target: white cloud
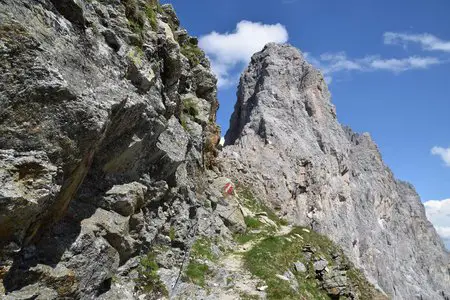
404, 64
336, 62
438, 212
428, 41
229, 50
331, 63
443, 153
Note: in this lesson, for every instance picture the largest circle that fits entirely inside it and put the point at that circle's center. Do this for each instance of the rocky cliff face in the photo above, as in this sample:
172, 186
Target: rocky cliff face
110, 186
285, 141
105, 108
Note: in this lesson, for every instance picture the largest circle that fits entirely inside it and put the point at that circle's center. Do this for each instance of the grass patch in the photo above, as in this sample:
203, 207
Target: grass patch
135, 26
365, 290
189, 110
196, 273
148, 280
151, 10
183, 121
283, 222
277, 254
245, 296
242, 238
134, 15
252, 223
202, 249
192, 53
255, 228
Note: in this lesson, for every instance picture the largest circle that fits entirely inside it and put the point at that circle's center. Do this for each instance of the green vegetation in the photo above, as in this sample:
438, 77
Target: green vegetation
196, 273
190, 107
272, 255
255, 228
207, 204
183, 121
242, 238
11, 30
275, 255
15, 37
134, 15
229, 280
252, 223
202, 249
135, 19
245, 296
148, 280
136, 27
151, 10
192, 52
189, 110
366, 290
172, 233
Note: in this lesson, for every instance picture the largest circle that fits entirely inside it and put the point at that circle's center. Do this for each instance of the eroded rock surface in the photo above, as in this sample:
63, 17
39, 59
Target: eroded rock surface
97, 163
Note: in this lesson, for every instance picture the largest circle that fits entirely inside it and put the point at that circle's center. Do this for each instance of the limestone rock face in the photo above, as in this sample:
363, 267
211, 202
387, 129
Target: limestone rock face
285, 141
28, 189
96, 161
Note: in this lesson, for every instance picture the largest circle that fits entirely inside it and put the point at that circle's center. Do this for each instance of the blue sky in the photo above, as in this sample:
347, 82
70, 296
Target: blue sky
388, 64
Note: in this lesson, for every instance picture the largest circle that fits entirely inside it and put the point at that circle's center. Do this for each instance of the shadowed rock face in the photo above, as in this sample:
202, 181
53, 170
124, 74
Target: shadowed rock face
285, 141
95, 146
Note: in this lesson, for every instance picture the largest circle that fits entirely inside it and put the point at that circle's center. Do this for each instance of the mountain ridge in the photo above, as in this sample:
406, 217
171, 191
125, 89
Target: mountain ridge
285, 135
112, 184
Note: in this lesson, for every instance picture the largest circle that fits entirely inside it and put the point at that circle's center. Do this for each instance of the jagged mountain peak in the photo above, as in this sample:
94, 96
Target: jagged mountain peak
285, 140
275, 65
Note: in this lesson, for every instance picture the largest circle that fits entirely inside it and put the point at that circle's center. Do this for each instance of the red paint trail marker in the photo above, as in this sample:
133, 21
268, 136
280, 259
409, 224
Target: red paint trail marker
228, 188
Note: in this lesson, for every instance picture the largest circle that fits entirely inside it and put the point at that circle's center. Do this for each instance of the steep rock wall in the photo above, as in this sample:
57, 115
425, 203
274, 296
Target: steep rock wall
107, 120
